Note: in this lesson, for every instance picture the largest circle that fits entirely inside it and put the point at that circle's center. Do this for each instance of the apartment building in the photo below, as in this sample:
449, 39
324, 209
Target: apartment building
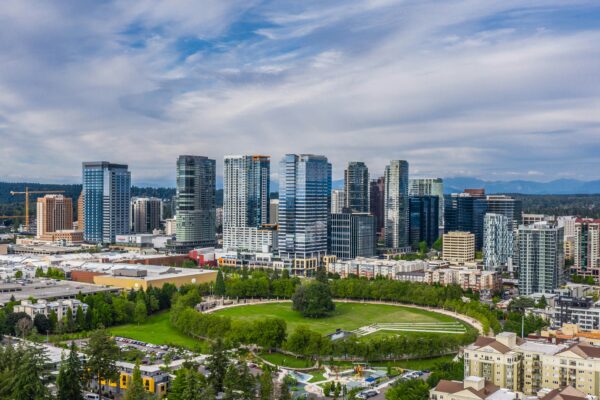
530, 366
60, 307
466, 278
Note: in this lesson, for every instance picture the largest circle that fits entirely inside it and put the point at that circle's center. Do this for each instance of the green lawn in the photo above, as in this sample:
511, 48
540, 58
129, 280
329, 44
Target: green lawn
158, 330
285, 360
347, 316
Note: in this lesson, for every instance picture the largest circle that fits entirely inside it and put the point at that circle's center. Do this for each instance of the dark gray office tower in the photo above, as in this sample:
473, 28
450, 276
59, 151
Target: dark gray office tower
376, 200
356, 186
352, 235
507, 206
465, 212
396, 205
196, 209
424, 220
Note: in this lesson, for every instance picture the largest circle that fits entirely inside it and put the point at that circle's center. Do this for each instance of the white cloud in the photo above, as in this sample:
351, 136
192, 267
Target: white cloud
461, 87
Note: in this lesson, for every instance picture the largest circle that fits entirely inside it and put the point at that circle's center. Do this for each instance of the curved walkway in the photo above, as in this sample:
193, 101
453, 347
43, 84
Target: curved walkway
464, 318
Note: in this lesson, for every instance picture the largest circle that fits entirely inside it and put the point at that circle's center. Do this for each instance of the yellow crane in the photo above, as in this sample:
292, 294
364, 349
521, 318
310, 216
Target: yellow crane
27, 192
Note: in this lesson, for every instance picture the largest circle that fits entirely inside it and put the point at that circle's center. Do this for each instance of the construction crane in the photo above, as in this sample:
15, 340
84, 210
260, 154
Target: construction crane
27, 192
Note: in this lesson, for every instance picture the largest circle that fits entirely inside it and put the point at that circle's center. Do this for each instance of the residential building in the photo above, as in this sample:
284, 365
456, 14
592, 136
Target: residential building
246, 206
423, 220
274, 211
473, 388
352, 234
146, 214
396, 205
531, 366
106, 201
356, 186
530, 219
586, 248
429, 187
465, 212
80, 213
377, 203
255, 240
374, 267
467, 278
304, 206
568, 224
458, 247
338, 201
59, 307
54, 213
582, 312
498, 242
540, 258
196, 214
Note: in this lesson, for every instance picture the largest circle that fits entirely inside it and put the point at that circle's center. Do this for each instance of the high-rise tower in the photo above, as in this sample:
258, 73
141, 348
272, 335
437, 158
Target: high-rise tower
396, 205
356, 187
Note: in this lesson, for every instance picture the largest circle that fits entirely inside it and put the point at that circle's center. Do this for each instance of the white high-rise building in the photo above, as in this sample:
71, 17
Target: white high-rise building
338, 201
497, 241
246, 186
396, 205
541, 258
429, 187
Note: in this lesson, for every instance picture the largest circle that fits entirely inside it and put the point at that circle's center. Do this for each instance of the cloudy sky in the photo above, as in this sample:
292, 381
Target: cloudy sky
495, 89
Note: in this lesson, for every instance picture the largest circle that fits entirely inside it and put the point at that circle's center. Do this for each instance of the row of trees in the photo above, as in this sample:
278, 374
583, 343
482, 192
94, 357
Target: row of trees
308, 343
418, 389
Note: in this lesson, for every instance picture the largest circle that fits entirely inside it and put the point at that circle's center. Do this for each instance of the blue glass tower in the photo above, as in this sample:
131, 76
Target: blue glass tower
106, 201
304, 205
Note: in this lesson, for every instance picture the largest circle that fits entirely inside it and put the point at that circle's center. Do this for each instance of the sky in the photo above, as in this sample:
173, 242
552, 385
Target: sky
493, 89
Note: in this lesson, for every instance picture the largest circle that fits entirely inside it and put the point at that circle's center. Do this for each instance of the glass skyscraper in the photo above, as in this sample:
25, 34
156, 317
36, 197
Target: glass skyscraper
196, 207
106, 201
396, 205
424, 220
304, 206
246, 190
352, 235
429, 187
356, 186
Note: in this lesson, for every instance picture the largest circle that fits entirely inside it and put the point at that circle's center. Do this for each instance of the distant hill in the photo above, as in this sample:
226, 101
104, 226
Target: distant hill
559, 186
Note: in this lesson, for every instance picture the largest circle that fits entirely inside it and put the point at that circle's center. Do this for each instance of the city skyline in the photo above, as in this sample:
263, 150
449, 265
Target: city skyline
494, 90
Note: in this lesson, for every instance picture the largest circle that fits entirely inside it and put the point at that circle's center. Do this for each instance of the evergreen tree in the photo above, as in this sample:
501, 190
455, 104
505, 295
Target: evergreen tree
217, 366
135, 388
53, 321
266, 384
70, 376
29, 378
189, 384
79, 319
103, 353
220, 285
70, 321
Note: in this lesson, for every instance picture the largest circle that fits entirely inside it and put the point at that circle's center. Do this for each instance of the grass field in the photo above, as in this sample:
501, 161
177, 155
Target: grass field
347, 316
158, 330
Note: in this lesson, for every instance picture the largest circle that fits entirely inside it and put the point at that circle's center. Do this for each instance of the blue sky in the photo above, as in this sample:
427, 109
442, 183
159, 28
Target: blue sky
491, 89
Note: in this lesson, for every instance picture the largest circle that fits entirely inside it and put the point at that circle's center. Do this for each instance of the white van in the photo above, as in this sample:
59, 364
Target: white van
91, 396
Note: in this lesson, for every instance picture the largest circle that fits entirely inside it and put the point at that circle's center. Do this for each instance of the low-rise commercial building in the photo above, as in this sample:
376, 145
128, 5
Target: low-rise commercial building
59, 307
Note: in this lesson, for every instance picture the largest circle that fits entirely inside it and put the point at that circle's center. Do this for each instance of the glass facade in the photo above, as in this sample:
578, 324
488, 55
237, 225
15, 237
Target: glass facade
497, 241
356, 186
423, 220
396, 207
106, 201
196, 207
352, 235
304, 206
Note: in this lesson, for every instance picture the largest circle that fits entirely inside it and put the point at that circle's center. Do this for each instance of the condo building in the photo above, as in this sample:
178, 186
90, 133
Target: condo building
54, 213
396, 206
498, 242
356, 187
196, 209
